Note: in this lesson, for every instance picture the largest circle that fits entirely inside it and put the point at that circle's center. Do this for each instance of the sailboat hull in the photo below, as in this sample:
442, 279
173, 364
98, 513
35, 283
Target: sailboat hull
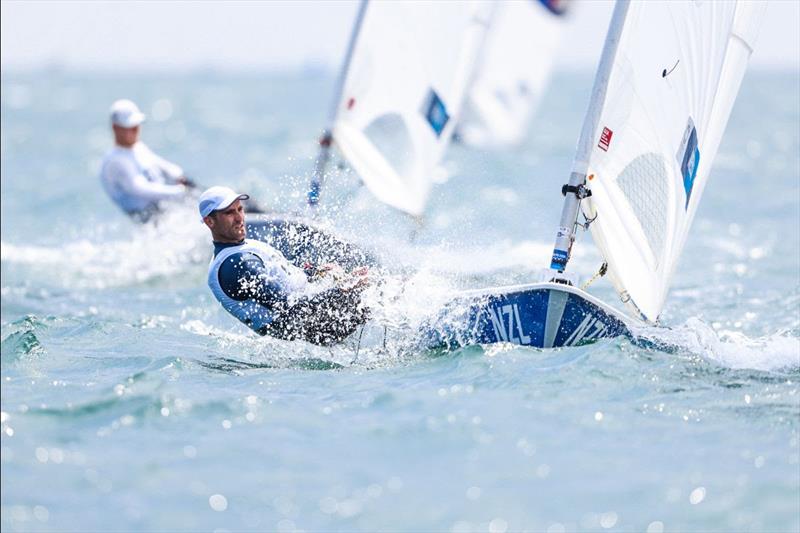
541, 315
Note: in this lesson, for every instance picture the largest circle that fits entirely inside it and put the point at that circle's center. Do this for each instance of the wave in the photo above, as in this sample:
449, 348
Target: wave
20, 344
779, 351
176, 243
241, 351
20, 340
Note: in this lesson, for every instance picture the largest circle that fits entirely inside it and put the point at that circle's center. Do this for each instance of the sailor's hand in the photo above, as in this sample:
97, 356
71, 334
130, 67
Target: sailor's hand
185, 181
327, 270
331, 269
358, 279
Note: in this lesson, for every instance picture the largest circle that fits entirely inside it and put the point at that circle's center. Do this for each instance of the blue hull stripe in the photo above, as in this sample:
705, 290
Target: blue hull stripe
539, 317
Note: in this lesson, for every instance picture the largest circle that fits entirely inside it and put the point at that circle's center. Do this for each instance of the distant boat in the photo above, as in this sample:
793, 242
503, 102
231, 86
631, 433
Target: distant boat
664, 89
513, 71
401, 89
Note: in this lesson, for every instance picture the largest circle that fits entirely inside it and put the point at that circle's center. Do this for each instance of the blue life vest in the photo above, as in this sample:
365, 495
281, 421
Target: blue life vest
290, 280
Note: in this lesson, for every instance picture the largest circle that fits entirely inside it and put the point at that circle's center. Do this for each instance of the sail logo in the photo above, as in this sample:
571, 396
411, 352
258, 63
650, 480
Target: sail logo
689, 158
506, 322
590, 328
605, 139
556, 7
435, 112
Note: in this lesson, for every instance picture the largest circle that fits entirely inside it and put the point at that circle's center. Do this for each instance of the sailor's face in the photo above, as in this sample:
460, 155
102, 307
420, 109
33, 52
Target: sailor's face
126, 137
227, 225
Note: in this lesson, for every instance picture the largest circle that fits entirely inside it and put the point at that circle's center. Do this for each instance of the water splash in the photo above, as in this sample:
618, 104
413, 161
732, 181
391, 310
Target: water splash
526, 257
153, 251
400, 304
732, 349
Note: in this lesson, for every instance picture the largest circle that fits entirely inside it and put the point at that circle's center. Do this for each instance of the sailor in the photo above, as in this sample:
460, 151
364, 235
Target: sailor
136, 179
256, 284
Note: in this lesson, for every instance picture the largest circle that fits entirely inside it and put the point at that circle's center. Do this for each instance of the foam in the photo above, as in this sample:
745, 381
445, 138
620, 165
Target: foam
167, 249
732, 349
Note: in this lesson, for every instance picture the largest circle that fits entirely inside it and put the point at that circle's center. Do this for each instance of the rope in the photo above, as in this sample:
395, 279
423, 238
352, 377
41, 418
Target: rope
600, 273
358, 344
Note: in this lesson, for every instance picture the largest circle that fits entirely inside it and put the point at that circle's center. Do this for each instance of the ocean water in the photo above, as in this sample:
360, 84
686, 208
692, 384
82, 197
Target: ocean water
131, 401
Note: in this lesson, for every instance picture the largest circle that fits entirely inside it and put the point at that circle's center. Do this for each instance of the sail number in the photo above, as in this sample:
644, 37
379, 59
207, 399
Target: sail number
590, 328
507, 324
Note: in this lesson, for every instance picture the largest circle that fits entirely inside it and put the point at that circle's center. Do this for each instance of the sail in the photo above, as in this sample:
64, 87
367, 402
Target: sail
656, 128
404, 90
512, 74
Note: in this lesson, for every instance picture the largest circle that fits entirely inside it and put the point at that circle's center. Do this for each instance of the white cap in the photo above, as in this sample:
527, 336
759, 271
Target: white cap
217, 197
126, 114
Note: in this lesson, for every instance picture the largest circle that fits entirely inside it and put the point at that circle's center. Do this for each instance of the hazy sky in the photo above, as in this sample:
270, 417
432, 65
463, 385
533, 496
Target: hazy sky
270, 34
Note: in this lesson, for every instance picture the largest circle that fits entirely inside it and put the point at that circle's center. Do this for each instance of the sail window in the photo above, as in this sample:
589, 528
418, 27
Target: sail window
390, 136
644, 183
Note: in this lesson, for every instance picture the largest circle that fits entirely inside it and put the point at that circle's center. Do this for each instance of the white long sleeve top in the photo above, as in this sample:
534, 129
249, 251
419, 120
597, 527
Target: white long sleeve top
137, 179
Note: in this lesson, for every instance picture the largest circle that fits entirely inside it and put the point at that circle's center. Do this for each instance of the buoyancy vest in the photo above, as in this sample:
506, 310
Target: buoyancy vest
288, 278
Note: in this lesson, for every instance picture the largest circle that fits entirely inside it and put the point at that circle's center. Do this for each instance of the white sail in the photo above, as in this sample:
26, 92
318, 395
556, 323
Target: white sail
671, 86
404, 91
513, 71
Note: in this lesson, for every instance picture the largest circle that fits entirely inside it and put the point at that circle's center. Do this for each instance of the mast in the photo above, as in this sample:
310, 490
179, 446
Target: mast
575, 190
326, 139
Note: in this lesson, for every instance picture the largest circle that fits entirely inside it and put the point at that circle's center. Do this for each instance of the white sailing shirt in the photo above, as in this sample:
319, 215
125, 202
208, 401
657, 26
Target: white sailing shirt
137, 179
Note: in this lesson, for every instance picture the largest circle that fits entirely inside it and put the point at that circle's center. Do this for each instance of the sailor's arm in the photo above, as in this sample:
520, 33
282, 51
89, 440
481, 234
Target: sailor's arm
297, 307
325, 318
243, 276
134, 183
170, 169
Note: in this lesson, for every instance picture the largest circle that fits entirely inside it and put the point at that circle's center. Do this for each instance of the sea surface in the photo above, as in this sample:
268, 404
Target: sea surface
132, 401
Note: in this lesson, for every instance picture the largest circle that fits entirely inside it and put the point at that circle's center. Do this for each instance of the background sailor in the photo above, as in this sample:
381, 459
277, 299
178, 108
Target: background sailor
134, 177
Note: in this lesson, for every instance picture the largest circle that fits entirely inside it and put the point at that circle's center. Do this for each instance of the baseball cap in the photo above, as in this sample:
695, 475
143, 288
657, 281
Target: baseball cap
126, 114
217, 197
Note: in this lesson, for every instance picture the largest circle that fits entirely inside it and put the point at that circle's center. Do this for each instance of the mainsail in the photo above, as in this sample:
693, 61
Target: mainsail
666, 85
403, 92
513, 71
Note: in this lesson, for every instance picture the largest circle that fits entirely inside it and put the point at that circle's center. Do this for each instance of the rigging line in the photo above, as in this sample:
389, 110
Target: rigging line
358, 344
586, 222
600, 273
